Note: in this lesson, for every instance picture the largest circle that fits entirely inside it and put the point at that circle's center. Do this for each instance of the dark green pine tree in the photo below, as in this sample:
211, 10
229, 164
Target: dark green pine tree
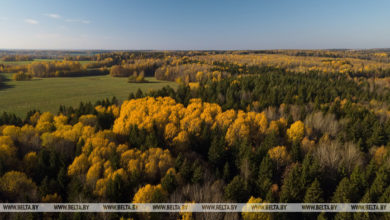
358, 182
183, 94
62, 180
264, 179
151, 140
216, 152
296, 152
169, 182
179, 161
185, 171
310, 170
131, 96
378, 136
364, 215
379, 185
139, 94
292, 188
117, 190
270, 141
236, 190
197, 176
343, 194
271, 196
370, 172
385, 198
314, 193
44, 188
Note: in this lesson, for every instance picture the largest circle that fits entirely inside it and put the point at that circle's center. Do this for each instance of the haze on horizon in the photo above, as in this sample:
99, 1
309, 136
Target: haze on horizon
198, 25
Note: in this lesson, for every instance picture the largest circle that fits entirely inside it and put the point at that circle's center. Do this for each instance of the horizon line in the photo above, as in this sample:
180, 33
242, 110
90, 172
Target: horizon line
95, 49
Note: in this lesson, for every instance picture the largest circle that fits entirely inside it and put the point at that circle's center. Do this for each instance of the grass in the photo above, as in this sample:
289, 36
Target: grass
28, 62
47, 94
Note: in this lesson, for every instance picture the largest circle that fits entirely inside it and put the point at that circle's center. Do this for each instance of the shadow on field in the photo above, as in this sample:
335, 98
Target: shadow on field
152, 82
3, 84
145, 82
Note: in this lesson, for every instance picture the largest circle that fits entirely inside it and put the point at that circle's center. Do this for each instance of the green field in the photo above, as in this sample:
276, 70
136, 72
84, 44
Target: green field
47, 94
30, 61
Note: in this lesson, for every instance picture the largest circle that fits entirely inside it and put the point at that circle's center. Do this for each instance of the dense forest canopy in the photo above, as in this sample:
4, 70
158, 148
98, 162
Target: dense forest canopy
243, 126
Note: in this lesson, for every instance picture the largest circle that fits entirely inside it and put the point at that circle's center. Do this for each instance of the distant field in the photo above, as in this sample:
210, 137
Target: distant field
27, 62
47, 94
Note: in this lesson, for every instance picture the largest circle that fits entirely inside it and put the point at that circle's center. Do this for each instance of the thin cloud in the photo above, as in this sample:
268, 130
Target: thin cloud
78, 21
31, 21
55, 16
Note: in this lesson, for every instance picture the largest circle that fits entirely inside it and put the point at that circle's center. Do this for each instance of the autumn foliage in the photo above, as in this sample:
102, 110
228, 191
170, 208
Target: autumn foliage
242, 126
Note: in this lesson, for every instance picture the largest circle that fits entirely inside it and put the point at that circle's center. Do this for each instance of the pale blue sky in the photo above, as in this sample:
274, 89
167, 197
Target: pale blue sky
200, 24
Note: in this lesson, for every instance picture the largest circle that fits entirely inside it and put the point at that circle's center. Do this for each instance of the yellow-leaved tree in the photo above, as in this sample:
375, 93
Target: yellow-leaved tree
18, 187
7, 150
280, 155
79, 165
150, 194
30, 162
255, 215
296, 131
152, 163
11, 131
381, 153
45, 122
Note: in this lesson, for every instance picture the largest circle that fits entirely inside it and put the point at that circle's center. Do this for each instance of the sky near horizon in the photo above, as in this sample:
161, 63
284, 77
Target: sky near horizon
190, 24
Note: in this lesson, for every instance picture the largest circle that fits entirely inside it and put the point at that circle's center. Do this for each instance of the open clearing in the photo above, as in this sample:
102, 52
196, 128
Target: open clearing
47, 94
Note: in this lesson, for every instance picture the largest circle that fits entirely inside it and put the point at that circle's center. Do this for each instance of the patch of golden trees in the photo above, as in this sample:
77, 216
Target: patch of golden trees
52, 68
94, 164
16, 58
179, 122
21, 76
183, 72
299, 63
114, 109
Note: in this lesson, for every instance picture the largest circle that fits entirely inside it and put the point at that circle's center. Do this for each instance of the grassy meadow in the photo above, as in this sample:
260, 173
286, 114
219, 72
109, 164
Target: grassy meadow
47, 94
30, 61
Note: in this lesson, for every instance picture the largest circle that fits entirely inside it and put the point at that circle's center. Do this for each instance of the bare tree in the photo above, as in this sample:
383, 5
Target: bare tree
334, 155
209, 192
321, 124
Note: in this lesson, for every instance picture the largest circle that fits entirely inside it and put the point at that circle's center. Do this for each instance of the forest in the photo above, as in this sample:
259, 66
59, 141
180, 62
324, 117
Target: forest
288, 126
